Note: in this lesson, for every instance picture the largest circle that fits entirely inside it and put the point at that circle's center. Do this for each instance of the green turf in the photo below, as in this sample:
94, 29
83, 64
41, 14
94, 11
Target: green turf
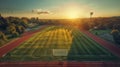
100, 32
39, 47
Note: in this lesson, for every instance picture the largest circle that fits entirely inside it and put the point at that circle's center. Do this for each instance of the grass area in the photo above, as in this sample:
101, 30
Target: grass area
6, 42
10, 38
100, 32
104, 34
40, 47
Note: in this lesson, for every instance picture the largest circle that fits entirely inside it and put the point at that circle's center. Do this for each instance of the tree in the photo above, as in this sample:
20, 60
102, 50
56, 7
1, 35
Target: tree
12, 30
20, 29
3, 23
3, 37
116, 35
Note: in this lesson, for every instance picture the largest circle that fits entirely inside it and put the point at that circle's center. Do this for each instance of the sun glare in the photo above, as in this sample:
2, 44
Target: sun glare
73, 14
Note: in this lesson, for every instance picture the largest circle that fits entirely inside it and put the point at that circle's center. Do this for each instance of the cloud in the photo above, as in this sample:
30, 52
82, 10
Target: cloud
40, 11
43, 12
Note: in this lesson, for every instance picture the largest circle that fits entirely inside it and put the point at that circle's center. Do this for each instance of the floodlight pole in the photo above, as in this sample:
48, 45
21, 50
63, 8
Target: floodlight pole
91, 14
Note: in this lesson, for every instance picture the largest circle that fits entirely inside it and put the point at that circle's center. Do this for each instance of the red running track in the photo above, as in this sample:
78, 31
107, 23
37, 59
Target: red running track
60, 64
111, 47
10, 46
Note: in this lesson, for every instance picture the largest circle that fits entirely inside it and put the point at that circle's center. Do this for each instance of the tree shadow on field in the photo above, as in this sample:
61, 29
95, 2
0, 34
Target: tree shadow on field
73, 51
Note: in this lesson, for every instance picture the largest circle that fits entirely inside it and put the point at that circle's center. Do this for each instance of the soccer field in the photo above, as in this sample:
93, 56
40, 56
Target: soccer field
60, 43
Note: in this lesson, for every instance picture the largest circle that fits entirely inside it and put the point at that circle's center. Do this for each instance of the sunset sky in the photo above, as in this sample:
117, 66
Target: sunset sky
59, 9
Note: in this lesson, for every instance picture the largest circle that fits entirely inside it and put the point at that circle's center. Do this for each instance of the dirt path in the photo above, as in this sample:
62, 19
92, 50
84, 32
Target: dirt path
111, 47
10, 46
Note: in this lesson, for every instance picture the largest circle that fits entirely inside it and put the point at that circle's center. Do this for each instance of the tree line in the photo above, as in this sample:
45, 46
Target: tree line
11, 27
104, 23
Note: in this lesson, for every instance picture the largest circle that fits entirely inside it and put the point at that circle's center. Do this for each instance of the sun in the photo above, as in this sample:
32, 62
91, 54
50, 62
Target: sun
73, 11
72, 14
